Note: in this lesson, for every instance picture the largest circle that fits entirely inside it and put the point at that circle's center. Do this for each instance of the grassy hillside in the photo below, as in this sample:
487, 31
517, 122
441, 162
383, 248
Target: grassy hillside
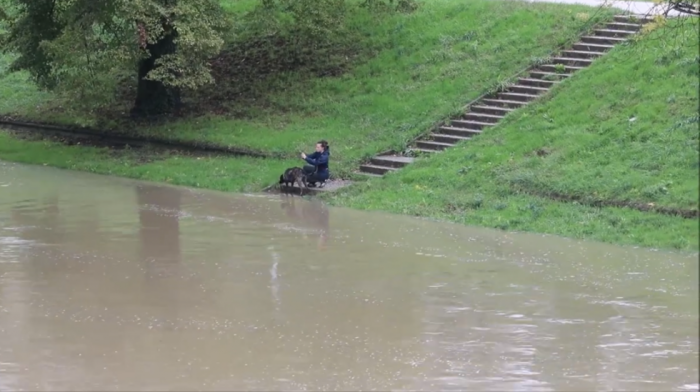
415, 69
623, 130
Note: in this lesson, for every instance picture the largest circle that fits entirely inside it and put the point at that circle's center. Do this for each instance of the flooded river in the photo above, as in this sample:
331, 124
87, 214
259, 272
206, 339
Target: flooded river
109, 284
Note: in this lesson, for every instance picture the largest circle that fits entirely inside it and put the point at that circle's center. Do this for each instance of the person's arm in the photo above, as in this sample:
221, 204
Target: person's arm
316, 159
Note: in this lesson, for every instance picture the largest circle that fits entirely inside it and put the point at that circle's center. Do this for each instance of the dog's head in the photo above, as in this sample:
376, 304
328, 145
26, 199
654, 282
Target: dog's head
282, 178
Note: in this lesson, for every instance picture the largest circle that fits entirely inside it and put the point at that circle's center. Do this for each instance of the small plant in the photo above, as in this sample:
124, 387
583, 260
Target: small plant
476, 202
470, 35
500, 206
404, 6
542, 152
499, 86
537, 61
559, 68
535, 209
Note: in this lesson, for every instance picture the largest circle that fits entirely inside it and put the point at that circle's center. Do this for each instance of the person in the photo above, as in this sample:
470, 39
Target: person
316, 169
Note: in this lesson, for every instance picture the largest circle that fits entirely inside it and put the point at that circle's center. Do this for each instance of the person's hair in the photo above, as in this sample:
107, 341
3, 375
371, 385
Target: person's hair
324, 144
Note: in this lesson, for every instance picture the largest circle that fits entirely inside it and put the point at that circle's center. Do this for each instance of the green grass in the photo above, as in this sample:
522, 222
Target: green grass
622, 129
211, 172
430, 63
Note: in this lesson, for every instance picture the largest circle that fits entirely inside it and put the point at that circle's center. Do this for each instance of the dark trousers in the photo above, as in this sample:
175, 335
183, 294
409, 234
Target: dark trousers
312, 176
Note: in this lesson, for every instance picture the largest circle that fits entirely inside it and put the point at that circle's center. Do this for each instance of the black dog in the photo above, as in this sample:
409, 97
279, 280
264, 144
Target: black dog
292, 175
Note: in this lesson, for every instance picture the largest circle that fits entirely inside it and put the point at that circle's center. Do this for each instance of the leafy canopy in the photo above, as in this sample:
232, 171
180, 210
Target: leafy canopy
91, 45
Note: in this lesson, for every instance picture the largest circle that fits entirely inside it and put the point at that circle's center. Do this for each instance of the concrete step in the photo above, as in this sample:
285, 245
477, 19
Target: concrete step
493, 110
458, 131
375, 169
530, 90
447, 139
516, 97
391, 161
369, 174
504, 103
627, 26
548, 75
592, 47
542, 83
483, 118
567, 69
580, 54
572, 62
467, 124
431, 145
612, 33
422, 150
599, 40
633, 19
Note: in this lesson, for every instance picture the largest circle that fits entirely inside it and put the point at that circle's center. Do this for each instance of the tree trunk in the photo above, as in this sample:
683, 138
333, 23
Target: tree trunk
152, 97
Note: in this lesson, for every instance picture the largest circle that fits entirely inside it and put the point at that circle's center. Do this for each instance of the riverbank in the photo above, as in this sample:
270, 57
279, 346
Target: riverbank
421, 67
618, 133
509, 178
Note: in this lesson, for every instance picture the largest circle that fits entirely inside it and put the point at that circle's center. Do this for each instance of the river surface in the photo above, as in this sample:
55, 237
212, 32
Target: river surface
111, 284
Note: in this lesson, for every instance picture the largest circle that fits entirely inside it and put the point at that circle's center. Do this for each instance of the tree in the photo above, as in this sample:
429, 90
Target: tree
690, 7
87, 47
672, 21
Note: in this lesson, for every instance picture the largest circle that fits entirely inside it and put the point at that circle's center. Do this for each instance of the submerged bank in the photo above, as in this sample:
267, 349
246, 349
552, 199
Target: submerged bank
244, 174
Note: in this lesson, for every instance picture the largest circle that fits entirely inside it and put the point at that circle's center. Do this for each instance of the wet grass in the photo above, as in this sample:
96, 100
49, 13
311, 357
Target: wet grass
419, 68
212, 172
620, 130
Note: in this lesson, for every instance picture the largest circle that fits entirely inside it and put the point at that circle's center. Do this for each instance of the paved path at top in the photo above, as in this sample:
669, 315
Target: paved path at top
635, 7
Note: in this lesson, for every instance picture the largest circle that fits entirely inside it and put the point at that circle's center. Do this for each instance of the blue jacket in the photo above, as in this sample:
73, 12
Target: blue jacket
320, 161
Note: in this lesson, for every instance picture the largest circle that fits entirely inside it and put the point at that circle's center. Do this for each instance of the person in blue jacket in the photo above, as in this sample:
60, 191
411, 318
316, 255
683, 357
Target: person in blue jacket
316, 169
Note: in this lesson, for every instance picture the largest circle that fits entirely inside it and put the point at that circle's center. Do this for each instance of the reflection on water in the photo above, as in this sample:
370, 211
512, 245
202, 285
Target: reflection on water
108, 284
313, 214
159, 229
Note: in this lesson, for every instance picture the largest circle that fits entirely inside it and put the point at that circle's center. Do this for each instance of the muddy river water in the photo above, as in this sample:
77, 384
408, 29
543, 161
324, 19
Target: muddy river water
110, 284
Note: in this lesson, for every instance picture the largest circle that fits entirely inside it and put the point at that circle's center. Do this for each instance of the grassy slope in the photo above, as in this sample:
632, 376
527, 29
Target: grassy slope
220, 173
434, 61
451, 186
623, 130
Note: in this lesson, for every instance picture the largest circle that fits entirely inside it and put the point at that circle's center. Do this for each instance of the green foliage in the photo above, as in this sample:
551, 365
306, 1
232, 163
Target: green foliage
27, 24
390, 5
407, 72
86, 48
200, 26
286, 35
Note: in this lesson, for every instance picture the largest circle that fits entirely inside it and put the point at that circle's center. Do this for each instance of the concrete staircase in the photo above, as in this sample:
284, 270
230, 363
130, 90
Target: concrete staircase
489, 110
